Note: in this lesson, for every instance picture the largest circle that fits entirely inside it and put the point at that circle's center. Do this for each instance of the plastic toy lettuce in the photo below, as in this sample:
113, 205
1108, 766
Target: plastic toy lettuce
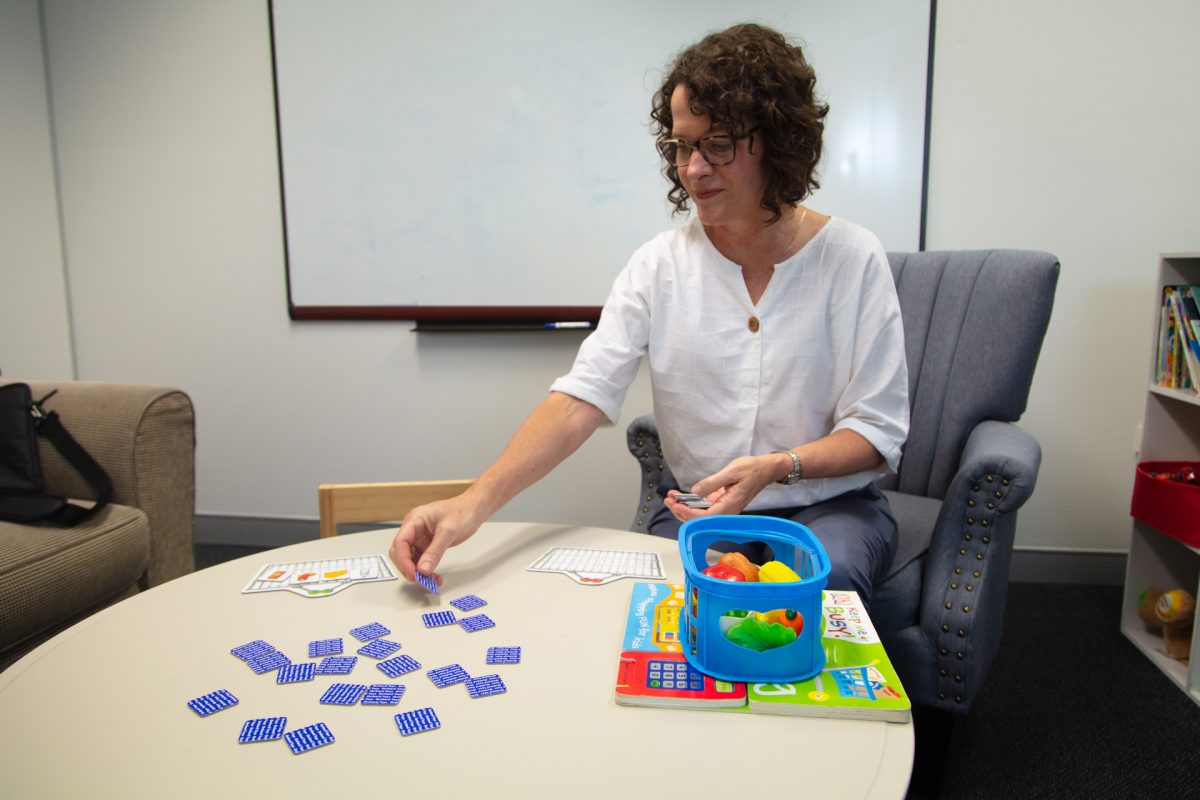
757, 635
758, 630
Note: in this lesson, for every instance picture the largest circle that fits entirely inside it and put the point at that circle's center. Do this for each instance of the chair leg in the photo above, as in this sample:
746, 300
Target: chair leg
932, 728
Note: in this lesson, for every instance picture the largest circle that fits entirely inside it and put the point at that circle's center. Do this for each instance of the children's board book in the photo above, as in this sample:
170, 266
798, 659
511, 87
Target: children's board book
858, 681
653, 670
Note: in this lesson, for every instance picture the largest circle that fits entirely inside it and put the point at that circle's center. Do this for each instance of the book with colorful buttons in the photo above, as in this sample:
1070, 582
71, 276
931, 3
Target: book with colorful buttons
857, 682
652, 670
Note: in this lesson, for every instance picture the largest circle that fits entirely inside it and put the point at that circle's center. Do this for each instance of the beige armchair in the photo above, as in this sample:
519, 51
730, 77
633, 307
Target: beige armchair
50, 577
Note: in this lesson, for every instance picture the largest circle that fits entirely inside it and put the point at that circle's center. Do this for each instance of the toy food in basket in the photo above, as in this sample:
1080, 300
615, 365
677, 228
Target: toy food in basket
739, 629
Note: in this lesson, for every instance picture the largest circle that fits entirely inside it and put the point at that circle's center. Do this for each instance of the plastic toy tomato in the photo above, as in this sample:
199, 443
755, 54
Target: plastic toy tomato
724, 572
792, 619
785, 617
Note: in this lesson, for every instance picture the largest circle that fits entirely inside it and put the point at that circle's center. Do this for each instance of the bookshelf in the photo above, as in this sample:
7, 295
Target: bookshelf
1170, 432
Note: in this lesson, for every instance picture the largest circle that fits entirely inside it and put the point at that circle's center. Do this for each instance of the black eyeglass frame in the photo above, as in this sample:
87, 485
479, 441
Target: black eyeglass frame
697, 145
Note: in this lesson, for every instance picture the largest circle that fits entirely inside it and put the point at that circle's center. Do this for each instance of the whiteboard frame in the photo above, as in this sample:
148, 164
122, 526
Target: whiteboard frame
442, 317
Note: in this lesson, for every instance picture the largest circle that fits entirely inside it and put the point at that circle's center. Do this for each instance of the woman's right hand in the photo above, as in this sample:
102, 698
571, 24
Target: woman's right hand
428, 532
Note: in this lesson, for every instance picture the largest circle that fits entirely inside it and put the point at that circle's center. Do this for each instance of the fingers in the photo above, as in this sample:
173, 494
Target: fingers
427, 533
413, 549
428, 559
681, 511
732, 488
403, 553
725, 500
714, 486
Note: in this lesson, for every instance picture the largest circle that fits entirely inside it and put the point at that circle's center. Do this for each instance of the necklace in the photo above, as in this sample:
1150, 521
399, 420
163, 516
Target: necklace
790, 251
730, 252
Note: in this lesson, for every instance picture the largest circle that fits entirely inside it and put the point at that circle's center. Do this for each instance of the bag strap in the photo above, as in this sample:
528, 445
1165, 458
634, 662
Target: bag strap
49, 425
20, 462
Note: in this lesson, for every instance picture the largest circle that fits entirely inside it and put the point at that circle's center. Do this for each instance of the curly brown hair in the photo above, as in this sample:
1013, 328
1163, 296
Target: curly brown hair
744, 77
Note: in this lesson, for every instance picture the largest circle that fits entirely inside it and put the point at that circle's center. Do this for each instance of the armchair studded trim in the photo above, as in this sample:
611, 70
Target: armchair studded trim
968, 575
968, 615
656, 477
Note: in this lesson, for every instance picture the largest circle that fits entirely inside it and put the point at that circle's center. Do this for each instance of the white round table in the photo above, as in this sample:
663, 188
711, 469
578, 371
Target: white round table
100, 710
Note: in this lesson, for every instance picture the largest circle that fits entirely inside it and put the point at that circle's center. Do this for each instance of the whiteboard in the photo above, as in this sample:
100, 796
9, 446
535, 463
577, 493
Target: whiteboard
479, 159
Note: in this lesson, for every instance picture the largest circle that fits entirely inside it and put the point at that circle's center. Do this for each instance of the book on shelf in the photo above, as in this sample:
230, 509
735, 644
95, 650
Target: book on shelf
1177, 365
1164, 361
858, 681
1191, 323
1187, 337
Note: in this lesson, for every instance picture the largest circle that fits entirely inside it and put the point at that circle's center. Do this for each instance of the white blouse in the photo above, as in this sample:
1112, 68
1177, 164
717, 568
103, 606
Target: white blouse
823, 350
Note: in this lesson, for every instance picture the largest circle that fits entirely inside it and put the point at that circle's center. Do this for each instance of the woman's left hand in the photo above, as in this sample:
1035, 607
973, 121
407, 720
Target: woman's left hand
729, 490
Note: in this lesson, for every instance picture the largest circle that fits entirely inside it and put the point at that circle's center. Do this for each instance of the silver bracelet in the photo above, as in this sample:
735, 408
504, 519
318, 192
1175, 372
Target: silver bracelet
797, 473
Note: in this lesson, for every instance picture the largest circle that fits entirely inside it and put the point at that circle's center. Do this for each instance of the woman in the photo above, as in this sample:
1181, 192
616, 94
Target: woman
772, 331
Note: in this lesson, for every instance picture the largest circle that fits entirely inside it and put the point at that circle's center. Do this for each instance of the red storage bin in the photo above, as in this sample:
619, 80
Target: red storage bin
1170, 507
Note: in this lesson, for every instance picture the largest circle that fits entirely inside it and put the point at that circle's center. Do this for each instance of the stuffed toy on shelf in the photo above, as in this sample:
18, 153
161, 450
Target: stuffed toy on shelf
1174, 612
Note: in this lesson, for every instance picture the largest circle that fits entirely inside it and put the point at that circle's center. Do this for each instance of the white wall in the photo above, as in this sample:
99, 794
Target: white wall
1069, 127
1074, 127
166, 146
34, 318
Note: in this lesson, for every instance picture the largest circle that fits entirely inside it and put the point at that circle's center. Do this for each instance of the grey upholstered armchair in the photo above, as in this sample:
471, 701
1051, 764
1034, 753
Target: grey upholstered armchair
973, 323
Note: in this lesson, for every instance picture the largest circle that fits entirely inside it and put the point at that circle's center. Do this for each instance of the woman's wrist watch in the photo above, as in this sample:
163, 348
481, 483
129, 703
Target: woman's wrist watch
797, 473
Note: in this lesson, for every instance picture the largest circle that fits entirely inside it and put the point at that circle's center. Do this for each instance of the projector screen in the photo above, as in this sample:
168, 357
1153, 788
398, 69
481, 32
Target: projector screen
493, 161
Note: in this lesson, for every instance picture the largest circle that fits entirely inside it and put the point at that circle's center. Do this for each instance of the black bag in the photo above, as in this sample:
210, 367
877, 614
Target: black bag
23, 495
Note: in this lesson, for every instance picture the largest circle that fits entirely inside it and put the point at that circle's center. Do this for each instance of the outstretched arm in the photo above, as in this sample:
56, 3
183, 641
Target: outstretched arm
555, 429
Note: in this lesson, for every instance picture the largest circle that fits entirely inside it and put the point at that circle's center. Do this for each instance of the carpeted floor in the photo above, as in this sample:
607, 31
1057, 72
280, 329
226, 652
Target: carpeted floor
1070, 709
209, 554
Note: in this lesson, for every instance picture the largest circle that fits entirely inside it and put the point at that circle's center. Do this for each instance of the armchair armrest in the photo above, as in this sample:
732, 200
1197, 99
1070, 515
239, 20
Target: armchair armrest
965, 582
656, 479
144, 438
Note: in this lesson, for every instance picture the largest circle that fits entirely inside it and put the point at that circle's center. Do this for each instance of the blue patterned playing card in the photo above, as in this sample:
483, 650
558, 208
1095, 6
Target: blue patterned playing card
435, 619
343, 694
476, 623
380, 648
268, 662
468, 602
399, 665
251, 649
366, 633
302, 740
447, 675
337, 665
267, 729
429, 583
296, 673
383, 694
212, 702
485, 685
325, 647
504, 655
423, 719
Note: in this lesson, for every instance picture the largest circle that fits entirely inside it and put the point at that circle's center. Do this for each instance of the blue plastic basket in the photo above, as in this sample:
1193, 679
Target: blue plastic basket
706, 646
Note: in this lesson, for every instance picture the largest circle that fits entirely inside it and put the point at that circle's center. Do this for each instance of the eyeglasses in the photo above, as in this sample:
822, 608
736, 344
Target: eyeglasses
717, 150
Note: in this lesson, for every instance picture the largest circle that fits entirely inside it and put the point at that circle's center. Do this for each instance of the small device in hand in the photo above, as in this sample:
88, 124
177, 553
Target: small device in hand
692, 500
